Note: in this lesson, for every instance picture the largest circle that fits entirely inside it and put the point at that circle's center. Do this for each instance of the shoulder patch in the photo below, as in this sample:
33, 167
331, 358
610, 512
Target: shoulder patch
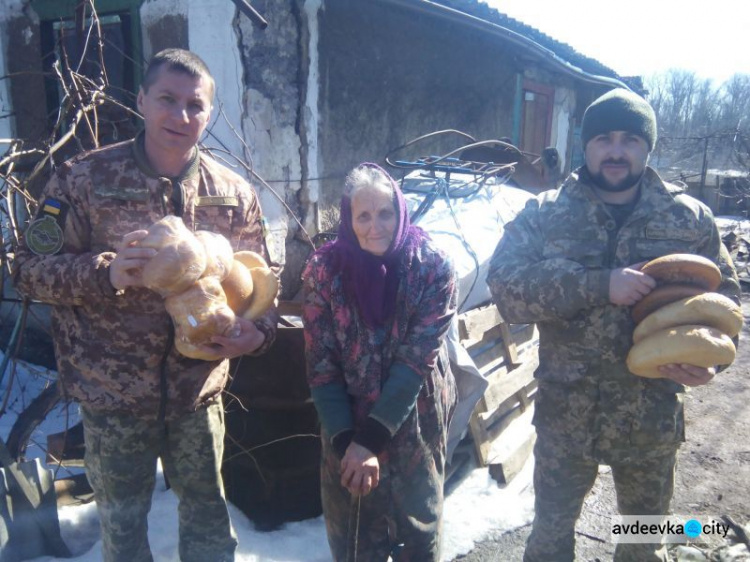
44, 236
53, 208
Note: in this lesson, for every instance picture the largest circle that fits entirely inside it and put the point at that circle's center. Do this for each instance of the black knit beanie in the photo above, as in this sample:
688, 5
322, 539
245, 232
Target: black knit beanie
619, 110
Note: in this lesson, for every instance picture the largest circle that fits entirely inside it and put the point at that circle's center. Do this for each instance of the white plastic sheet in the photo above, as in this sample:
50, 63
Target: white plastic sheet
466, 220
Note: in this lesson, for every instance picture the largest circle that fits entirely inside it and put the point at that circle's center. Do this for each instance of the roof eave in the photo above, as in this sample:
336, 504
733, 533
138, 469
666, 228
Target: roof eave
457, 16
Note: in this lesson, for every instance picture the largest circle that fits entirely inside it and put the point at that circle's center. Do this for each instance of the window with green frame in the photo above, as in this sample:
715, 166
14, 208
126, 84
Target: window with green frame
64, 27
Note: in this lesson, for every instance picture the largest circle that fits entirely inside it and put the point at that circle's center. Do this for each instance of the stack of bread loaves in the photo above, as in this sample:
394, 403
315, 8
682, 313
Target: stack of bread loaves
683, 320
205, 284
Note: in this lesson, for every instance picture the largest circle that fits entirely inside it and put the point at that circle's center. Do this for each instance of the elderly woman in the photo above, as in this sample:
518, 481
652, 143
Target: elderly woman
378, 302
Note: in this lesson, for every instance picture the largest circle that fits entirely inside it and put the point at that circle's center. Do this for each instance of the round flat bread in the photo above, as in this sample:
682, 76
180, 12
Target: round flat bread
691, 344
709, 309
662, 296
688, 269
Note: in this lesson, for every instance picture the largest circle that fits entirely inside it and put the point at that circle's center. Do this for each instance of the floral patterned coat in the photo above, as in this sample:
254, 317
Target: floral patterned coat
340, 348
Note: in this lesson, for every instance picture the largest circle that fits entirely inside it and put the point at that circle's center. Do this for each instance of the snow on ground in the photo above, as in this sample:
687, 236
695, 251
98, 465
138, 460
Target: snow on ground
476, 509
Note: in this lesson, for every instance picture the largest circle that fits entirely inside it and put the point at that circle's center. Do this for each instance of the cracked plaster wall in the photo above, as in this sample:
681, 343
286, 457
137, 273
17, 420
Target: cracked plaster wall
274, 90
562, 118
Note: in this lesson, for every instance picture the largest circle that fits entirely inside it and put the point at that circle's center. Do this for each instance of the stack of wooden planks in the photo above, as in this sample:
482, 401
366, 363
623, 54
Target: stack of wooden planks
506, 355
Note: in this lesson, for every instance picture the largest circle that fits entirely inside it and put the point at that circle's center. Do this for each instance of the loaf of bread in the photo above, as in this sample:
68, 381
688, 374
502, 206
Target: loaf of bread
708, 309
662, 296
250, 259
188, 349
180, 258
265, 291
219, 254
201, 312
238, 287
688, 269
265, 284
689, 344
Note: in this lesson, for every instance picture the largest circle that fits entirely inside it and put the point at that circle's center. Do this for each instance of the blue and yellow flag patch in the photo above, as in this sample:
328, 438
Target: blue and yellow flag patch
52, 206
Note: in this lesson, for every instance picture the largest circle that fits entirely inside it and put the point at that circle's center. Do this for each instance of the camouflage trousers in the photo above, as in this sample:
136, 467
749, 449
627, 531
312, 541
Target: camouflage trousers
121, 458
401, 518
561, 481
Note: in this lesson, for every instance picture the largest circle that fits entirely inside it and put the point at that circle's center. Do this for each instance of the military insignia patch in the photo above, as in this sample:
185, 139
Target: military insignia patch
216, 201
44, 236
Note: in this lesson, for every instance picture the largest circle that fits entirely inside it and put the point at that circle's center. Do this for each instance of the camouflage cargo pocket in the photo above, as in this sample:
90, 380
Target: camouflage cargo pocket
566, 411
659, 419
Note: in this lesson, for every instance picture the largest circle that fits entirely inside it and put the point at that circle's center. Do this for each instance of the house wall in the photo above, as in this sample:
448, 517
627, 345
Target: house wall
164, 24
562, 117
7, 123
22, 59
274, 82
389, 75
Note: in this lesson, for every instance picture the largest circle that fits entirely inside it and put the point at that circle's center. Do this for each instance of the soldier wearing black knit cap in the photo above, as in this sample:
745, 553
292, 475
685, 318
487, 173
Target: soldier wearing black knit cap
618, 133
570, 262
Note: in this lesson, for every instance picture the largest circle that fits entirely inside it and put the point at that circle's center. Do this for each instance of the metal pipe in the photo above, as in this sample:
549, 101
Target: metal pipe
457, 16
245, 7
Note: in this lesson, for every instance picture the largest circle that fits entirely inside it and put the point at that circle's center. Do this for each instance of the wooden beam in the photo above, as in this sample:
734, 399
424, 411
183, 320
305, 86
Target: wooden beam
481, 440
521, 399
504, 387
511, 353
504, 469
473, 324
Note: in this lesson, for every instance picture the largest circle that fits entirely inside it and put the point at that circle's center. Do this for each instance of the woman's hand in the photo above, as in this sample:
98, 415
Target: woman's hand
360, 470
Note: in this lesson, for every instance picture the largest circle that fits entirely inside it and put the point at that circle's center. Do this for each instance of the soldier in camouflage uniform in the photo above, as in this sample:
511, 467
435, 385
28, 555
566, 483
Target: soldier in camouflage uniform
378, 303
570, 263
140, 399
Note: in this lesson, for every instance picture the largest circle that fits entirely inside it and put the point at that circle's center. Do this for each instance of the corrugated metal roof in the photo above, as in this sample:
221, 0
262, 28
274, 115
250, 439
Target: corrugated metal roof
564, 51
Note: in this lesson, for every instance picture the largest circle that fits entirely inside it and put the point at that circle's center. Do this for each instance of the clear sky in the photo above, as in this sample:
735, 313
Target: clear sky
641, 37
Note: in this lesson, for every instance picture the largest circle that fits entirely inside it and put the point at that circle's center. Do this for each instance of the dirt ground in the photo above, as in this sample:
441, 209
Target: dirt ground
712, 480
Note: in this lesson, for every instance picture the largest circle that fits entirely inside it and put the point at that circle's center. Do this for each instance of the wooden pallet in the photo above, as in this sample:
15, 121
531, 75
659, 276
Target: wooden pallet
506, 355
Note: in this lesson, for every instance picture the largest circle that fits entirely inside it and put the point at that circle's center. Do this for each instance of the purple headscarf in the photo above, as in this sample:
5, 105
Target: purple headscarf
372, 281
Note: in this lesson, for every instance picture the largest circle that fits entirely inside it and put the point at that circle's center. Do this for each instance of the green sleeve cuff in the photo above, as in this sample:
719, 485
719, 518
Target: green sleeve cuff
398, 397
333, 406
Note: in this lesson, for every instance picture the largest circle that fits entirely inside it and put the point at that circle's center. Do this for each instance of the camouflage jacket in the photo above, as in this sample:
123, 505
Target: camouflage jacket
553, 263
115, 351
